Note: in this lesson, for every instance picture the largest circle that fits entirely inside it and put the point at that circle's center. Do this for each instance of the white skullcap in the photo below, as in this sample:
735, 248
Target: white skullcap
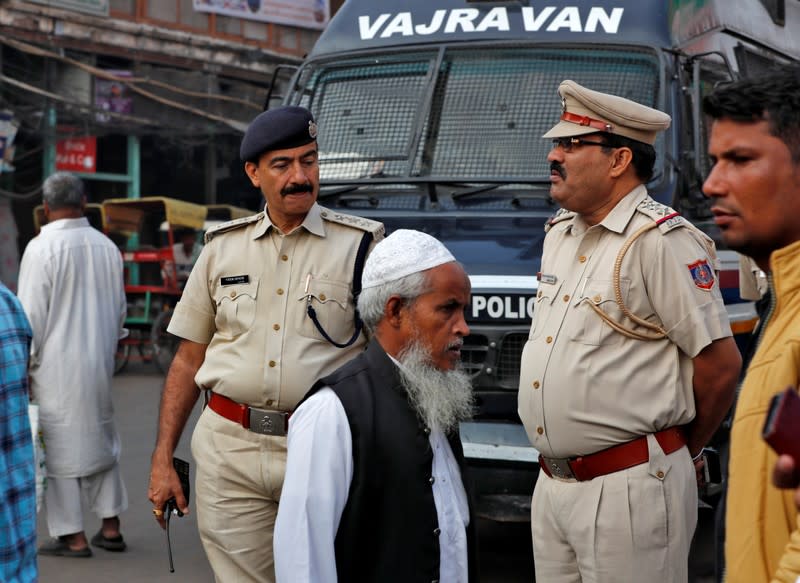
402, 253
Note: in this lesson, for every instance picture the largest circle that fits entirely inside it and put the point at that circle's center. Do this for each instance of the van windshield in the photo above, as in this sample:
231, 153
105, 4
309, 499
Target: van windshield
456, 114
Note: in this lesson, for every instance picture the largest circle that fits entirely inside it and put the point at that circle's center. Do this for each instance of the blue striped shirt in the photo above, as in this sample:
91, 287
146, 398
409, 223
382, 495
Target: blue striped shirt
17, 471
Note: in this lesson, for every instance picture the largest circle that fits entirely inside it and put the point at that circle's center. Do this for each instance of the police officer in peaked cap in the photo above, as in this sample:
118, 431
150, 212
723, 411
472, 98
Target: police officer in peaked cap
267, 310
630, 365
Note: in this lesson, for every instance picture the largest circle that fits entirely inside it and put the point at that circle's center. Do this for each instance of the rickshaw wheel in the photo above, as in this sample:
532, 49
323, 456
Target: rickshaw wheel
121, 357
164, 344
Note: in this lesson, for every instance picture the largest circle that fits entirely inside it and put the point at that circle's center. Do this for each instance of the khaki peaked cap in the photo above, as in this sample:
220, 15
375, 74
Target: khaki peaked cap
586, 112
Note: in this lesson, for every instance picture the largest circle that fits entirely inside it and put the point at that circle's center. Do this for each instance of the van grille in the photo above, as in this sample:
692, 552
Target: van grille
502, 366
473, 353
508, 361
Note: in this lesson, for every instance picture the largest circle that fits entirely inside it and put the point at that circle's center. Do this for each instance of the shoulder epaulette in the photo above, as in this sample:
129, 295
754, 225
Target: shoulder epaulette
561, 215
231, 225
374, 227
665, 217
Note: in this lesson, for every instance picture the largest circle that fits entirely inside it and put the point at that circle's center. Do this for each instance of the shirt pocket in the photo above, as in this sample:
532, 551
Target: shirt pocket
545, 296
236, 308
333, 306
590, 328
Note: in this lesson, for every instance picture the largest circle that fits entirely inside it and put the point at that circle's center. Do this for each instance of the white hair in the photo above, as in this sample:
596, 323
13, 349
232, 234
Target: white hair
372, 300
62, 190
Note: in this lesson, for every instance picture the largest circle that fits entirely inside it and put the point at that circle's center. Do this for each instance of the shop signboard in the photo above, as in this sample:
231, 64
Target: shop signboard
303, 13
77, 154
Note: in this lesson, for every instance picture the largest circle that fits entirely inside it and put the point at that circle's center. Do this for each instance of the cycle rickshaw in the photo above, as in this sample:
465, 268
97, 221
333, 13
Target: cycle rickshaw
144, 228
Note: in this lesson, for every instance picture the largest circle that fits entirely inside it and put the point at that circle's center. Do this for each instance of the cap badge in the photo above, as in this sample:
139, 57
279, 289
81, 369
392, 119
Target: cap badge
563, 105
312, 130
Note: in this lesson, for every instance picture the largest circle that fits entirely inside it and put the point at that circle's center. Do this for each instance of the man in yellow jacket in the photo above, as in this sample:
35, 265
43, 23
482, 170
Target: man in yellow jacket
754, 187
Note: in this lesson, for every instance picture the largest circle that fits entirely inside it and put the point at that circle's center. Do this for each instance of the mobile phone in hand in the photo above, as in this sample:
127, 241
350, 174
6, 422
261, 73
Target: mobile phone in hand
182, 468
782, 425
712, 470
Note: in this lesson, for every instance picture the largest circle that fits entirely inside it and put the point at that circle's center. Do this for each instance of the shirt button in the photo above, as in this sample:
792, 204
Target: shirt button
540, 430
660, 475
549, 339
276, 327
284, 258
322, 297
535, 384
233, 293
582, 258
538, 295
437, 531
272, 364
566, 298
431, 480
280, 291
597, 299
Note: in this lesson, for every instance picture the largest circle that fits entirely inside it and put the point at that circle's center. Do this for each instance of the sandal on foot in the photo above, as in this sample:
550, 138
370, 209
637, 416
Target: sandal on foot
114, 544
57, 547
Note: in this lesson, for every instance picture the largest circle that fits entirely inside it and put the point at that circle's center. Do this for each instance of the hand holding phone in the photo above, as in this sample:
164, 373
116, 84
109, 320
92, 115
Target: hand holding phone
782, 425
182, 469
171, 505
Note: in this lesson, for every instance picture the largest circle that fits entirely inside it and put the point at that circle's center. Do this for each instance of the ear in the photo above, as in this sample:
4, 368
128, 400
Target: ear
620, 161
46, 208
393, 311
250, 168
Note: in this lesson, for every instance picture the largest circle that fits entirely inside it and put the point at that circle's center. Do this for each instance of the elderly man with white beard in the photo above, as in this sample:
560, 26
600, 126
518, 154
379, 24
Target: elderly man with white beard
374, 488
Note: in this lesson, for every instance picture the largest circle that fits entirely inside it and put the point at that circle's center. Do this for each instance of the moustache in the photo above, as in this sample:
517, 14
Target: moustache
558, 168
457, 344
297, 189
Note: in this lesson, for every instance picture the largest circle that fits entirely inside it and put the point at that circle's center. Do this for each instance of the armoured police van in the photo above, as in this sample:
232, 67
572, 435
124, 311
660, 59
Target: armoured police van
431, 114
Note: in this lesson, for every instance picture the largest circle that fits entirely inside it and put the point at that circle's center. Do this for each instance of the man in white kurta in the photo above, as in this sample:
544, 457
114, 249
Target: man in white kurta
373, 488
71, 286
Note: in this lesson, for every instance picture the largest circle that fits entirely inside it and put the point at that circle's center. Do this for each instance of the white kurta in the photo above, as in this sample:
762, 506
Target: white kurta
71, 286
319, 471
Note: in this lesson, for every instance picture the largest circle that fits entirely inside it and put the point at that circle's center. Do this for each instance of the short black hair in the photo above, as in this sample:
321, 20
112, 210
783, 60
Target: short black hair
773, 97
644, 155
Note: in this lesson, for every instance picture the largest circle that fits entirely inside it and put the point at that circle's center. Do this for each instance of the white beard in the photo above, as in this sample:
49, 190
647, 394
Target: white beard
441, 398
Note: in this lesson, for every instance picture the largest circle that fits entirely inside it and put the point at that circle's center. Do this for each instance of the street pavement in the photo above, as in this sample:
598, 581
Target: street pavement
136, 394
505, 550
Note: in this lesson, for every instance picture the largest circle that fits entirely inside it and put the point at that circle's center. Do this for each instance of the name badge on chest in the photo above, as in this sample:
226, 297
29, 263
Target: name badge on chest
234, 279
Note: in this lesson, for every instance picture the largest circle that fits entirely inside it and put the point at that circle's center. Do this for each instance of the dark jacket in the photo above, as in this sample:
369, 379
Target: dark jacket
389, 528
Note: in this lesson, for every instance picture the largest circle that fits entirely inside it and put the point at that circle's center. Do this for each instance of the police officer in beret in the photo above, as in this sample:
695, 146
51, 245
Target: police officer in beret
630, 364
267, 310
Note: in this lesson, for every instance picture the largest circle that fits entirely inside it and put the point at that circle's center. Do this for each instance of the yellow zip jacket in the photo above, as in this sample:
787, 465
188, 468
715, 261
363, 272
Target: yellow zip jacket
762, 531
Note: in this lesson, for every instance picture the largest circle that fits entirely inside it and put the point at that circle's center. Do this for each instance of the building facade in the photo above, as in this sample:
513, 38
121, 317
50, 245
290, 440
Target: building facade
139, 97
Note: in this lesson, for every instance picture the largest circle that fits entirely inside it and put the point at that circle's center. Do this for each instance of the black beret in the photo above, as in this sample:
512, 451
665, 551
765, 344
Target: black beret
281, 128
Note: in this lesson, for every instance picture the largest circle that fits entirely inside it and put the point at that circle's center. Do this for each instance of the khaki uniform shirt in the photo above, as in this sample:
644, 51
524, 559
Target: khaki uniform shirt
585, 387
247, 296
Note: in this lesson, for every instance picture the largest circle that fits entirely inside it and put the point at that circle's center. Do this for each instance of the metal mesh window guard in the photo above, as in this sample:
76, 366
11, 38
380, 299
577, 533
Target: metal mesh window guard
474, 114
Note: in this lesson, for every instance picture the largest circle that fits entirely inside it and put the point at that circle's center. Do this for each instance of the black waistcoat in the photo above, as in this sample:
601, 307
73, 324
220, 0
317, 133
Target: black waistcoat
389, 528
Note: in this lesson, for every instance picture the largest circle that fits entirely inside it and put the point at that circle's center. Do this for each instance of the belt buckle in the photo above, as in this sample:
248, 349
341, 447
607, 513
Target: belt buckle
560, 468
268, 422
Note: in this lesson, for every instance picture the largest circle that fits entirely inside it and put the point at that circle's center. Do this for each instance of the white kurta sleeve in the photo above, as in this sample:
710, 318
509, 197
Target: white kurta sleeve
34, 291
319, 470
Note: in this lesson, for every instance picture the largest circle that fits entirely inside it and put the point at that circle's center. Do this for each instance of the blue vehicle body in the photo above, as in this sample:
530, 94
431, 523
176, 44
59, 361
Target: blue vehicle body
431, 114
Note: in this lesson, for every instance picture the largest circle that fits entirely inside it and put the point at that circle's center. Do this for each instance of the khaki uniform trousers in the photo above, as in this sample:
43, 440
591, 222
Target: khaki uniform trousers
238, 484
627, 527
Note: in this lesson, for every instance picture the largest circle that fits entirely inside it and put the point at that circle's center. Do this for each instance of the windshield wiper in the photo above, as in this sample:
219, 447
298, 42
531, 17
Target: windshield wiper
480, 189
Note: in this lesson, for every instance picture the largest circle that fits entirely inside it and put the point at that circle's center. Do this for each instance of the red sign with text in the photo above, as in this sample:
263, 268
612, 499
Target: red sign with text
77, 154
